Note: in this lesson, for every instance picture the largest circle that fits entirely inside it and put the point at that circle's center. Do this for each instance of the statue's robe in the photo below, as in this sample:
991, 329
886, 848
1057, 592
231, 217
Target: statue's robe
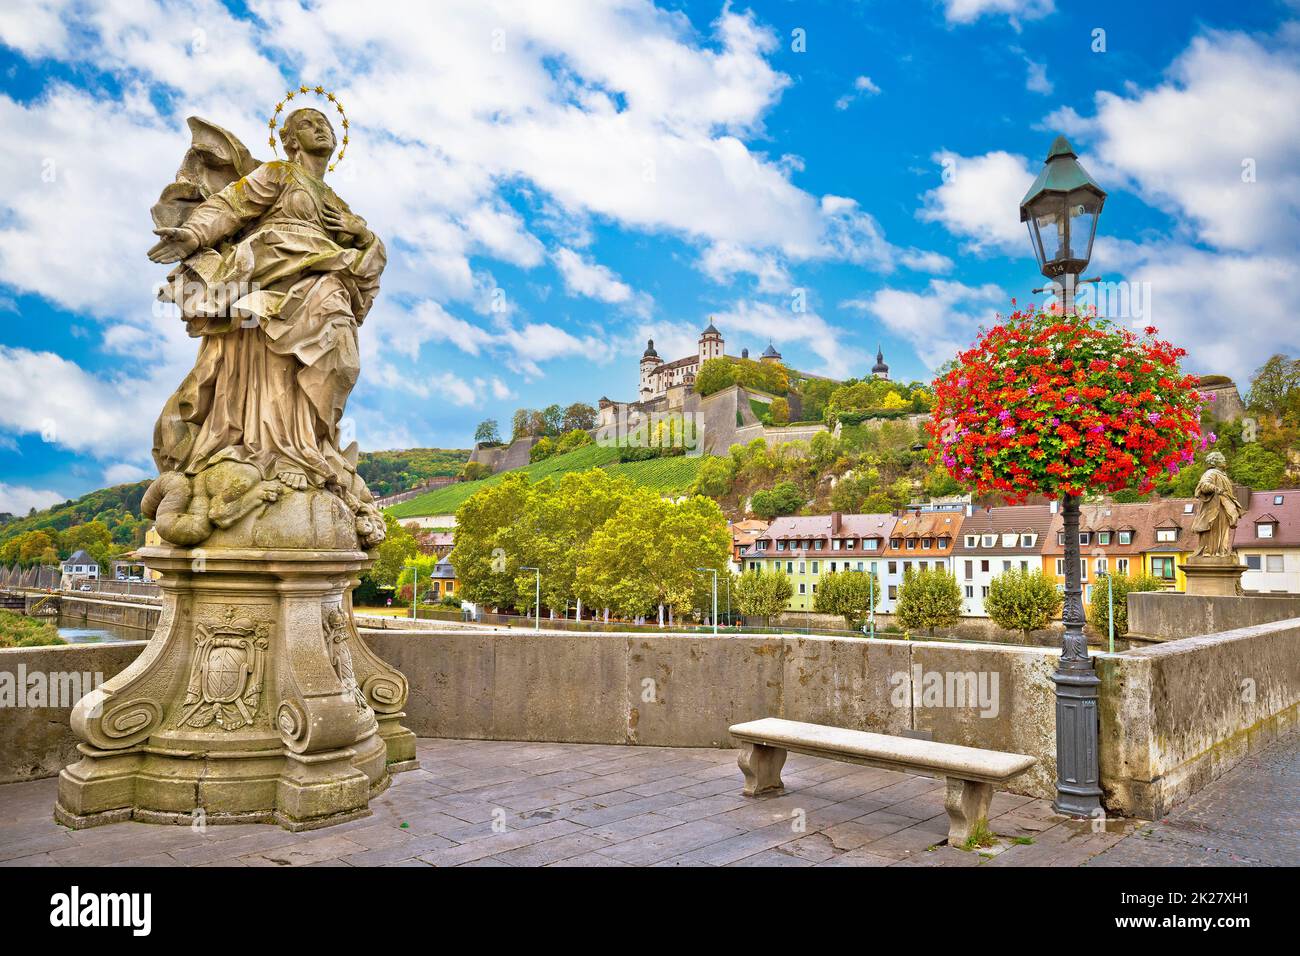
1218, 514
277, 308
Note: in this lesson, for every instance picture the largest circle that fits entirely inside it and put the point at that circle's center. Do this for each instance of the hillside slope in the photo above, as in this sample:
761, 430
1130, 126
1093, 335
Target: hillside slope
664, 475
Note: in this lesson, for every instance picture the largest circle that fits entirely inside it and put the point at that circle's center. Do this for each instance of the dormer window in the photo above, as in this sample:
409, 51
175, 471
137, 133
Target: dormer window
1085, 537
1263, 529
1103, 537
1166, 534
895, 542
1027, 540
1126, 537
926, 543
972, 540
990, 540
1277, 499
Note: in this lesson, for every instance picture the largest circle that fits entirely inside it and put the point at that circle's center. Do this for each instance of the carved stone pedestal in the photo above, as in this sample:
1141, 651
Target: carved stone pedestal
1214, 576
255, 701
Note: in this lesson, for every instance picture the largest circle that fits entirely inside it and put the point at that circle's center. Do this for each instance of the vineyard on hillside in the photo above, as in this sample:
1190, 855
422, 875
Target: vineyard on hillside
664, 475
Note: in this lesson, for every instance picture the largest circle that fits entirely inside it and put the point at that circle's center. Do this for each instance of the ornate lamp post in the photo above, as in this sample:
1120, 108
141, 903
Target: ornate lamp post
1061, 208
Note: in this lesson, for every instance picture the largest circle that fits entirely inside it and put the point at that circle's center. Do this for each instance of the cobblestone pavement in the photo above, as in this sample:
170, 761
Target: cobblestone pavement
496, 803
1248, 817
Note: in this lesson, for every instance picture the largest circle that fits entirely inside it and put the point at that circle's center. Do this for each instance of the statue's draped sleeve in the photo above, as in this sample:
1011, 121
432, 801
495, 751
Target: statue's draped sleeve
237, 204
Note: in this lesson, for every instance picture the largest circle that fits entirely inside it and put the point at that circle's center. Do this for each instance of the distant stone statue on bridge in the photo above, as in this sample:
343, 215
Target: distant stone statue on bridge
1213, 568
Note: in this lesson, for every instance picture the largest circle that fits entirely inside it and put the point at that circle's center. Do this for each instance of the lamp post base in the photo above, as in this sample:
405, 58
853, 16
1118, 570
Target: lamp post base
1078, 793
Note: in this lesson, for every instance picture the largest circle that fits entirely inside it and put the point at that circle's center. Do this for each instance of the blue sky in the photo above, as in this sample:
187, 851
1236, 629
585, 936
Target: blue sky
557, 182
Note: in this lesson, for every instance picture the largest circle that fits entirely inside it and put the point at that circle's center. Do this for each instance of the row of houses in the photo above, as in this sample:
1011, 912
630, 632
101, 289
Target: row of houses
977, 544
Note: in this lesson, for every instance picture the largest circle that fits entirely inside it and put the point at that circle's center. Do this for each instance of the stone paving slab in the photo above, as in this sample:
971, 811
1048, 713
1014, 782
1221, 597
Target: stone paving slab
508, 803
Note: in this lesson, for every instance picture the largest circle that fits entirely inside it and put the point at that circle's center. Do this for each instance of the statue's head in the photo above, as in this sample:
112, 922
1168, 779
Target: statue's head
1215, 459
307, 131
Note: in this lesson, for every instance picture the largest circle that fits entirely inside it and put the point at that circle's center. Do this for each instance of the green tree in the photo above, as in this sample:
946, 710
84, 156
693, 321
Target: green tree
928, 599
780, 411
544, 449
714, 477
521, 423
850, 594
486, 568
762, 594
579, 416
399, 546
1257, 468
784, 498
487, 432
572, 440
1024, 601
1275, 385
1121, 587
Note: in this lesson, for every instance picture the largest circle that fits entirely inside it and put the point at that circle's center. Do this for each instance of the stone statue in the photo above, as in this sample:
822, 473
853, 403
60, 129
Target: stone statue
275, 276
256, 701
1218, 513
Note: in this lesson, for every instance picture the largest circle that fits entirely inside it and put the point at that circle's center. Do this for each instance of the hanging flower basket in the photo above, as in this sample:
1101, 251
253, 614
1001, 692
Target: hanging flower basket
1065, 405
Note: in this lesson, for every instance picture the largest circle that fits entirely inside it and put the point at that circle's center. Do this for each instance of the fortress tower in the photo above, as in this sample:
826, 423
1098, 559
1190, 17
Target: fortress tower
650, 361
711, 344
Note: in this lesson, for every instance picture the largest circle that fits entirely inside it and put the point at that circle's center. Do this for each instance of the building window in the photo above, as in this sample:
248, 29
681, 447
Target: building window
1126, 537
1273, 563
1103, 537
753, 565
911, 544
939, 565
803, 588
990, 540
815, 563
895, 542
789, 567
846, 566
1060, 537
1060, 567
814, 589
984, 567
970, 570
972, 540
893, 567
1277, 499
1166, 534
803, 567
1163, 568
1101, 566
925, 543
869, 544
984, 591
1085, 537
1083, 569
1006, 566
1024, 566
1121, 566
1263, 529
921, 564
835, 544
873, 566
1253, 562
1027, 540
817, 545
970, 591
780, 546
851, 543
893, 592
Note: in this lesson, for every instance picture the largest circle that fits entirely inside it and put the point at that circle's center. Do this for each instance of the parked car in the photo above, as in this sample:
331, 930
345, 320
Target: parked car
85, 587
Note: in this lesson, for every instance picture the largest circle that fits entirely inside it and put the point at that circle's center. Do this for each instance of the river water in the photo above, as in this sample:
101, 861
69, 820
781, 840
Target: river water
75, 632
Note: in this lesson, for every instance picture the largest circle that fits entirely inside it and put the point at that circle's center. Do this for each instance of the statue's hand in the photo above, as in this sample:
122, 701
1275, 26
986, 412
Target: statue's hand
173, 245
339, 220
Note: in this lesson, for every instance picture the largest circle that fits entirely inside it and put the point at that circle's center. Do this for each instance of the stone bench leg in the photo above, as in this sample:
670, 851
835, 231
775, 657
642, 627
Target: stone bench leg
761, 766
967, 803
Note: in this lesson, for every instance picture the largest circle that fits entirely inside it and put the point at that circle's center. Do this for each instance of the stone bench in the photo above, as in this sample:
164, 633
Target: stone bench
970, 771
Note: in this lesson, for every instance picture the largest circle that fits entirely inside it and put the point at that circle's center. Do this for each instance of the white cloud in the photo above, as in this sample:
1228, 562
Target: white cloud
723, 261
42, 393
586, 277
968, 11
123, 473
1036, 80
20, 499
862, 86
938, 322
979, 200
1228, 99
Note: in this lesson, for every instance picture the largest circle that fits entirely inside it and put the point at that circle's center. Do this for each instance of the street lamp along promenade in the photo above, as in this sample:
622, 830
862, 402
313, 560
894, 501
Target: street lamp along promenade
1062, 208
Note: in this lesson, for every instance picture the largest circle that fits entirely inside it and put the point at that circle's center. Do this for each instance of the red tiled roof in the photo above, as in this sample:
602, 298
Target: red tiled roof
1287, 516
